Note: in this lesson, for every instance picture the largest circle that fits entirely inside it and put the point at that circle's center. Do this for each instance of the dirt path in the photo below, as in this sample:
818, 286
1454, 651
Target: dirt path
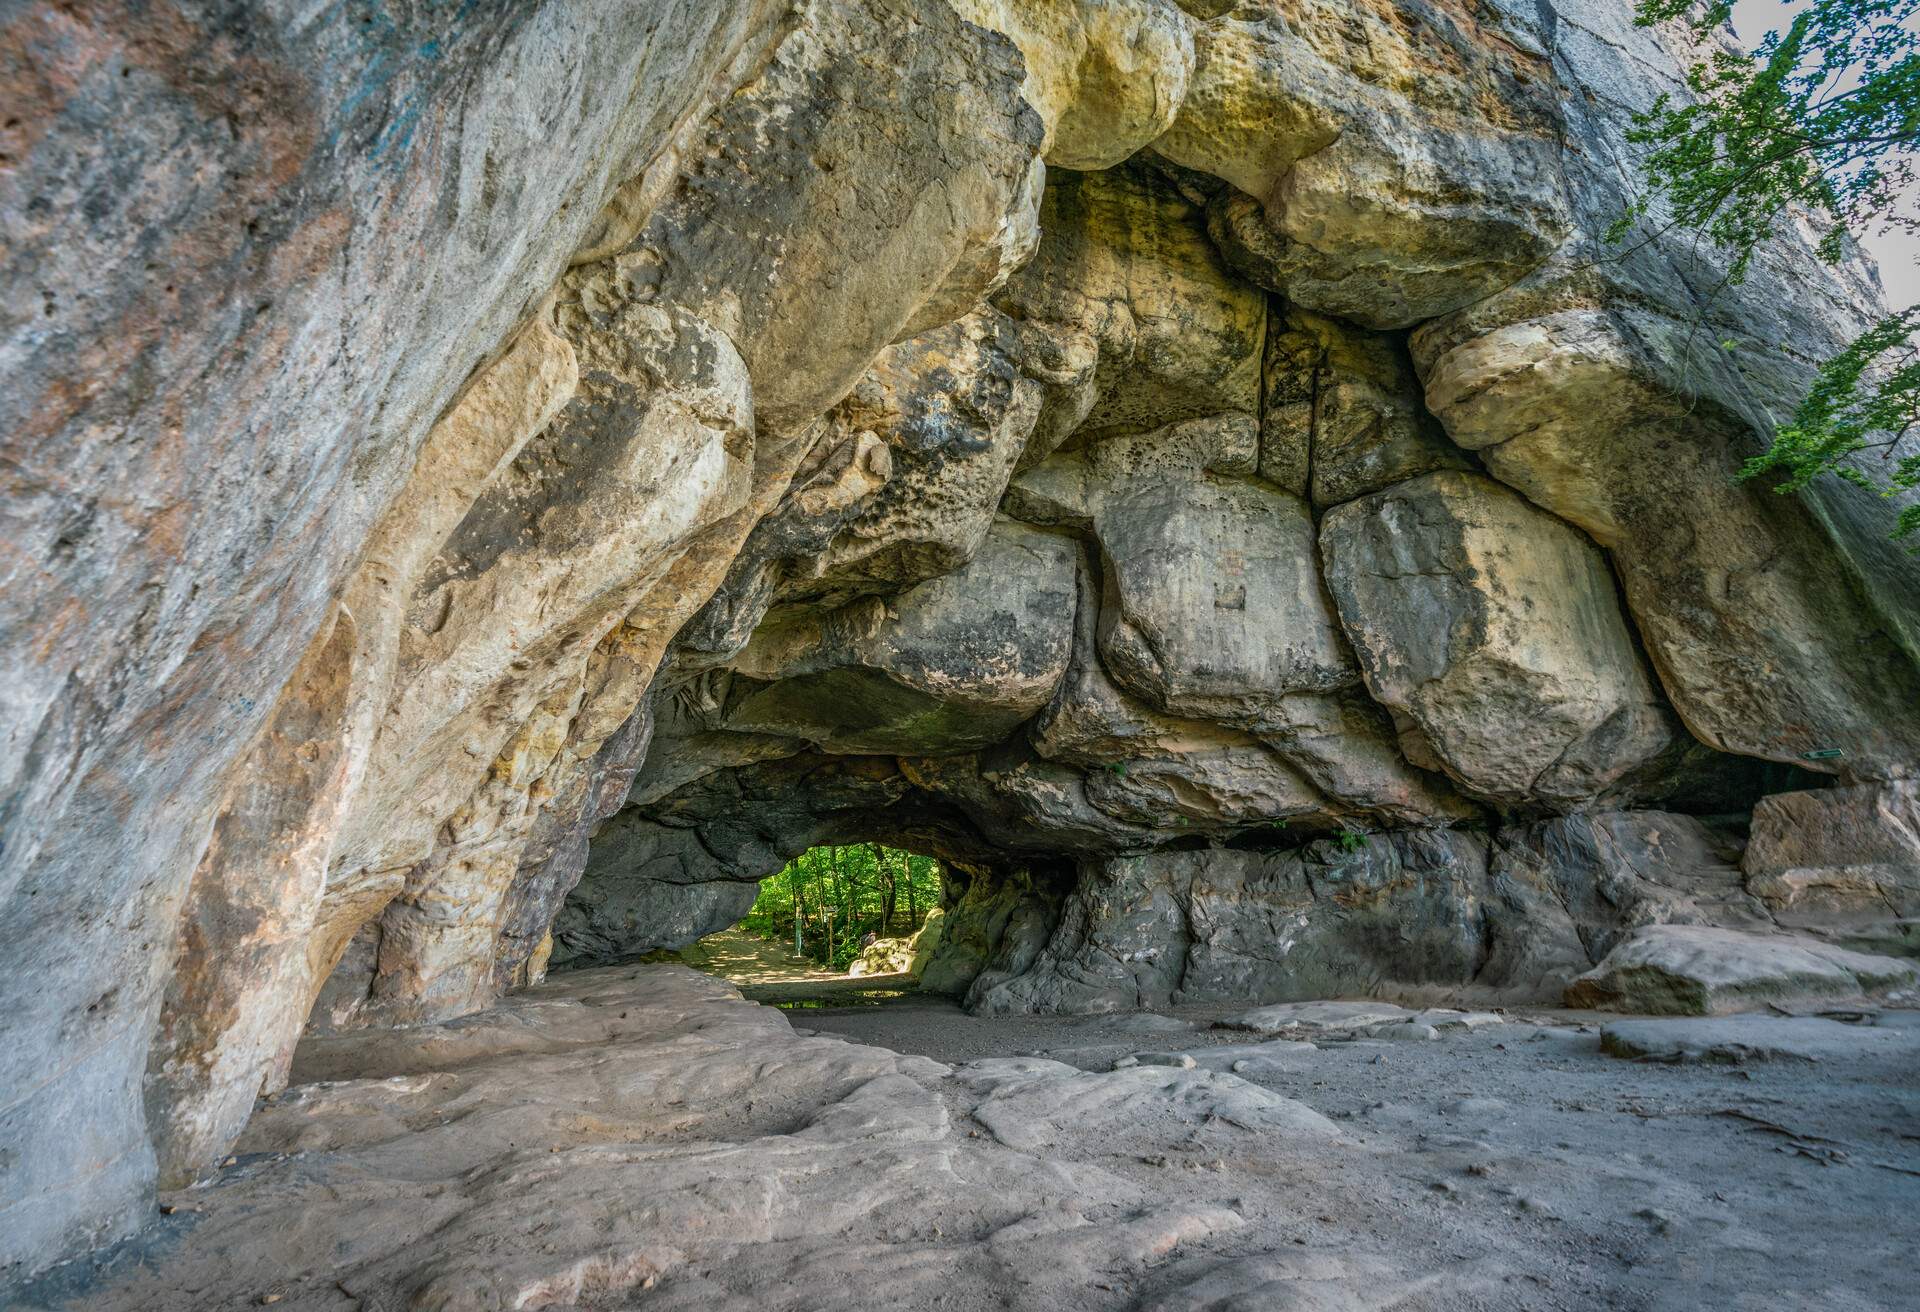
742, 958
767, 972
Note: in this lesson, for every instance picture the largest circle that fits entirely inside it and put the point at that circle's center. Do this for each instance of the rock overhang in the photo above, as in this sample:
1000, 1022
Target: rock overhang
830, 310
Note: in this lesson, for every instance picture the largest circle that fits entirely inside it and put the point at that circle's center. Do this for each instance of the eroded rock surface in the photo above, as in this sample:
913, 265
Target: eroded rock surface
1194, 467
644, 1133
1698, 971
1491, 631
640, 1135
1842, 863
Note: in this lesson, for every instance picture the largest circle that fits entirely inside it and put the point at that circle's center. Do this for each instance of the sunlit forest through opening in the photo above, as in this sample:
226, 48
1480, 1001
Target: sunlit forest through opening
834, 904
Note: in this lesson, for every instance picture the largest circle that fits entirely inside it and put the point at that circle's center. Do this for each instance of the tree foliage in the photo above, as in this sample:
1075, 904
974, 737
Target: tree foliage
1824, 115
838, 895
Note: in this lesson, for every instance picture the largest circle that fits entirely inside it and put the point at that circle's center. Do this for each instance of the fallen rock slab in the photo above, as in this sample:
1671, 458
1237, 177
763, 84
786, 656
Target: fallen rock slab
1445, 1019
1274, 1057
1145, 1022
1404, 1031
1691, 970
1314, 1016
1736, 1039
1182, 1060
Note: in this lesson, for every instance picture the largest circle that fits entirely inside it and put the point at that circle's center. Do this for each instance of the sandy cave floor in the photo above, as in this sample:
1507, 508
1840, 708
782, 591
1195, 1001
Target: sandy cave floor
641, 1137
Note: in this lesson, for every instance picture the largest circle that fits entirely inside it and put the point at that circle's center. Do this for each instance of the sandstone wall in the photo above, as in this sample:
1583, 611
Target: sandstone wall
449, 450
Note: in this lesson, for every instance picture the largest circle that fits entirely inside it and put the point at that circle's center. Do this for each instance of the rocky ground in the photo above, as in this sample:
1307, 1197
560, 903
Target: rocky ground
642, 1137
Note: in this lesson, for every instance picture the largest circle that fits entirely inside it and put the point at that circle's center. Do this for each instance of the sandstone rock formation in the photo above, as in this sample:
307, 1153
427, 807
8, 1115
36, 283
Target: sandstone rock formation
482, 486
1489, 630
1709, 972
641, 1136
1841, 862
643, 1133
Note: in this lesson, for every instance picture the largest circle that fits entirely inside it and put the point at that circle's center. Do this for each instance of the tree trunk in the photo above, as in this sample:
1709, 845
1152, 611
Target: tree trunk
884, 879
823, 894
793, 894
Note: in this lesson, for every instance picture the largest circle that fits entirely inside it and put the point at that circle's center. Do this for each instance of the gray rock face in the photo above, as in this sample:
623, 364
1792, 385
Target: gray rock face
1619, 871
1842, 864
1524, 918
1111, 447
631, 914
1413, 911
1344, 415
993, 933
1599, 388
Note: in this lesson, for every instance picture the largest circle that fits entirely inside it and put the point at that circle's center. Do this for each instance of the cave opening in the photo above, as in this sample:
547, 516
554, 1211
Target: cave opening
1172, 496
840, 924
834, 904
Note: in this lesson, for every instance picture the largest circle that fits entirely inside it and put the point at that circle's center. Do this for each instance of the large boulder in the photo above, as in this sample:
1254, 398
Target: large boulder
1214, 606
1337, 740
1105, 78
1762, 634
1491, 630
1128, 315
1390, 163
955, 414
957, 662
1148, 767
1694, 971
